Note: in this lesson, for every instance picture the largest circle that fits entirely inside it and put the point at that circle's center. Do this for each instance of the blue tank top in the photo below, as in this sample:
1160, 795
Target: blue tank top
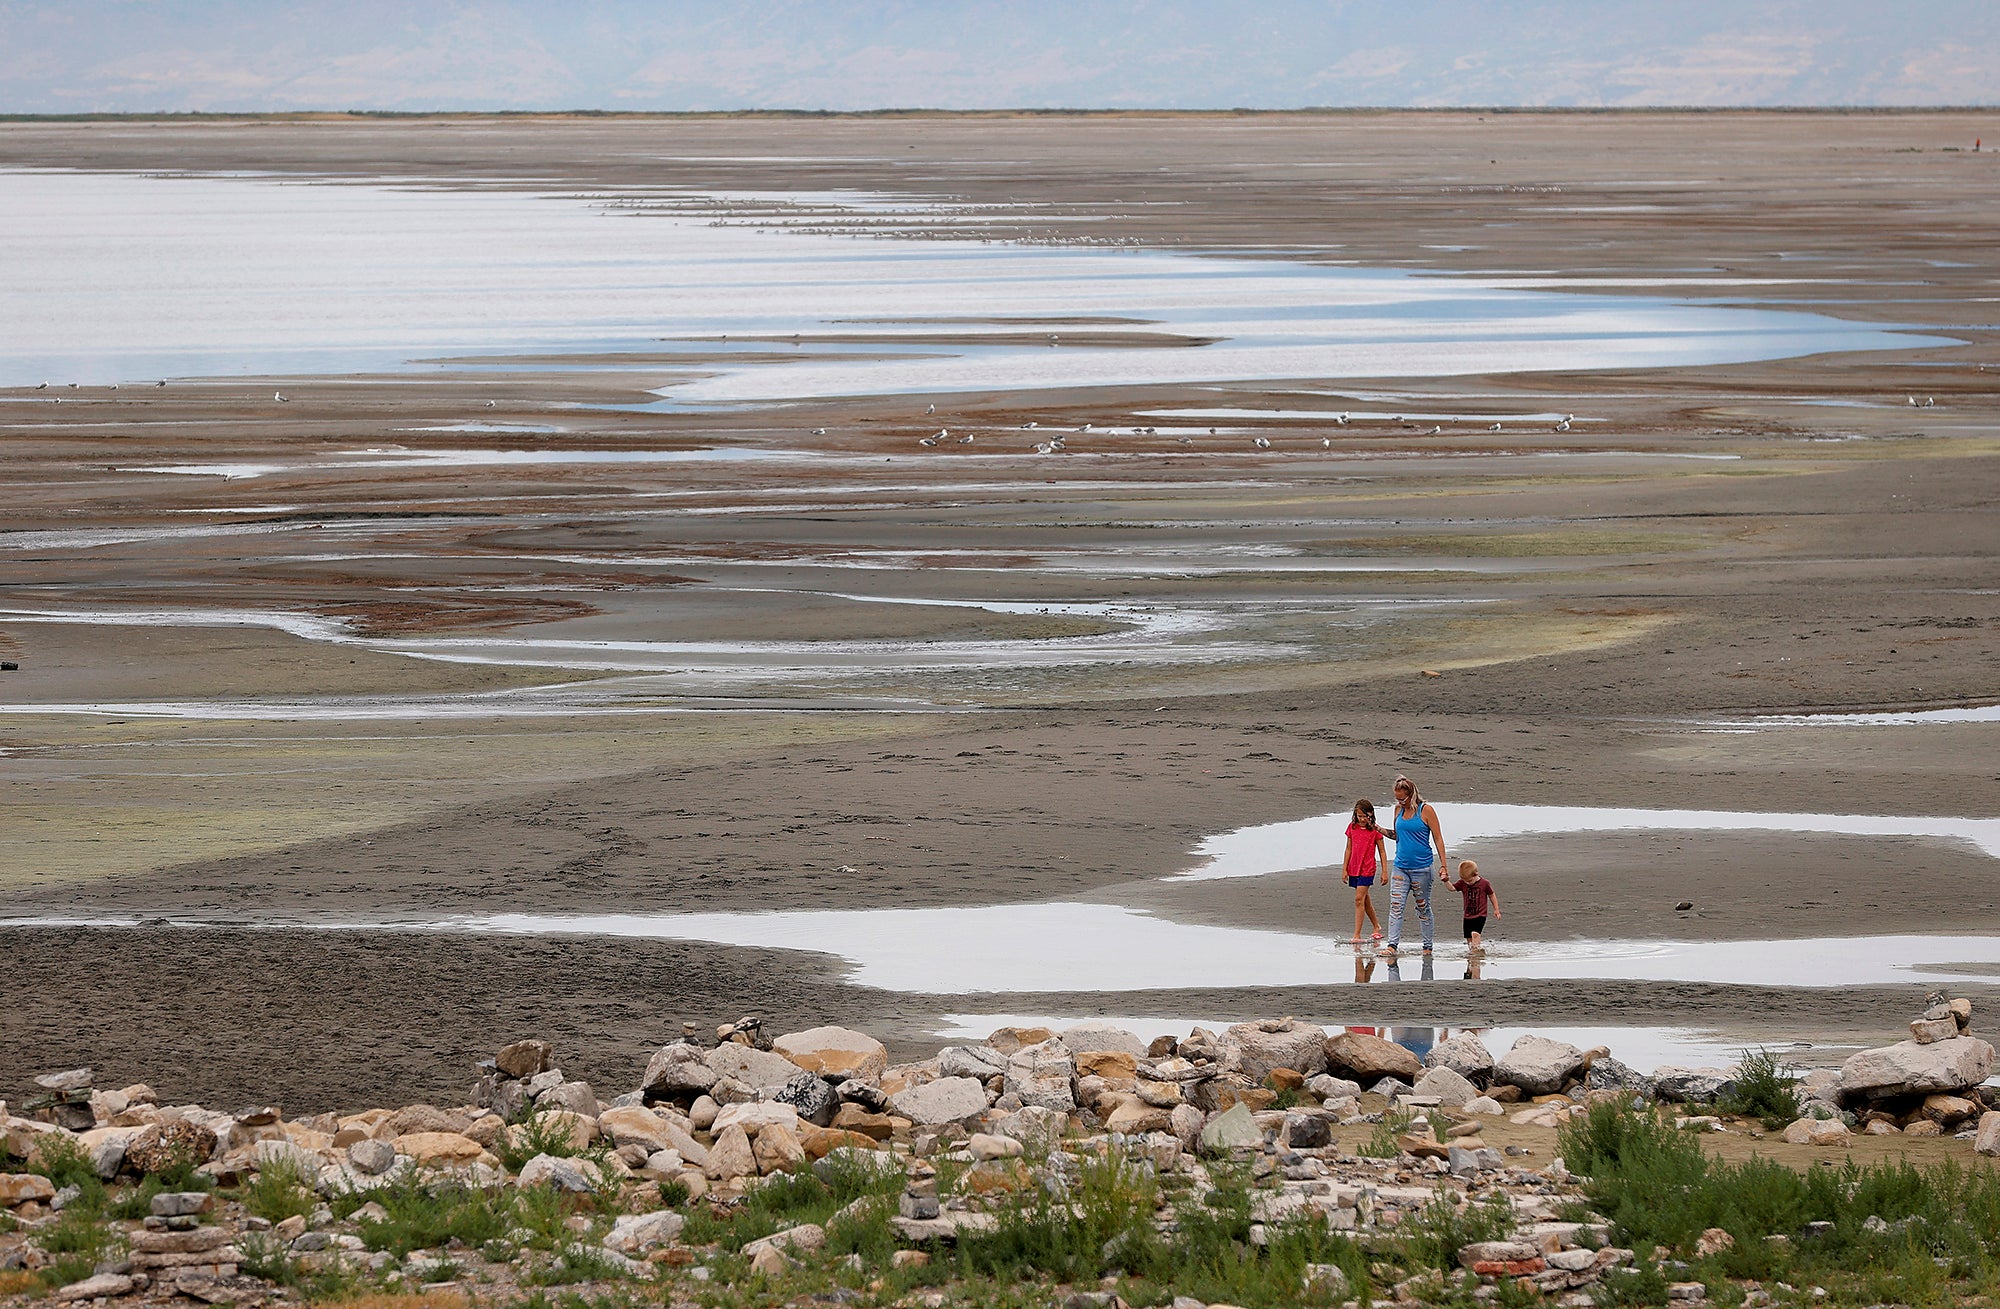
1413, 841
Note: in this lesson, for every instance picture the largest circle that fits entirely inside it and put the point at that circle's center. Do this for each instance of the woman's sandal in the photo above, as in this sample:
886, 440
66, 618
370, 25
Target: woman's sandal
1378, 936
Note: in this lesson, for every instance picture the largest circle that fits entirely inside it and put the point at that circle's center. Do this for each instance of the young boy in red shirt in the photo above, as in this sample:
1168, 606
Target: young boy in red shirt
1480, 901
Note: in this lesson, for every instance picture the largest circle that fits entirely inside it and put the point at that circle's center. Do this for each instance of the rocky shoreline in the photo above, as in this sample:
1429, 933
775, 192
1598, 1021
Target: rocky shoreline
1344, 1134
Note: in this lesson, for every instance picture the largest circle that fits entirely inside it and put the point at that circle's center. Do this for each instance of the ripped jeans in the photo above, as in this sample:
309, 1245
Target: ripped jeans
1415, 883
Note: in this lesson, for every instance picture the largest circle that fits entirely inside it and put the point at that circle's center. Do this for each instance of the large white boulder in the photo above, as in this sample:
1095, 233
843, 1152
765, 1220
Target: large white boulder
1465, 1054
752, 1067
1910, 1068
676, 1071
1090, 1038
1452, 1090
1263, 1046
946, 1100
1538, 1065
835, 1052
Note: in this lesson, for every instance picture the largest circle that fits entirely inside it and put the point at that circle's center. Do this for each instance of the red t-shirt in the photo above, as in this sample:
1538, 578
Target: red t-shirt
1478, 897
1361, 849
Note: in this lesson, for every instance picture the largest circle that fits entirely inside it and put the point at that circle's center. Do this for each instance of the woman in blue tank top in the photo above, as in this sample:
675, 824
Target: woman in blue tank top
1417, 832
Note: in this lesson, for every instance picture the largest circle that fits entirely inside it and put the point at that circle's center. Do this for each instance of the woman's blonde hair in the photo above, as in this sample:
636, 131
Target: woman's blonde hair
1416, 796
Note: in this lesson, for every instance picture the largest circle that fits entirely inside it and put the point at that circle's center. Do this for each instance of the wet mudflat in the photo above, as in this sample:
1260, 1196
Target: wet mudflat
633, 620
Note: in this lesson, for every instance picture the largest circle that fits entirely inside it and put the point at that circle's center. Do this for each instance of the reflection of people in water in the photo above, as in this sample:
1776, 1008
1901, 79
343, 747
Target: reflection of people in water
1364, 968
1394, 973
1475, 966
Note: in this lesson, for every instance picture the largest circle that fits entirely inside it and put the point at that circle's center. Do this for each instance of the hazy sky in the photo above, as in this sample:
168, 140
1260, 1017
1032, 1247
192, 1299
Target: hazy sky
133, 55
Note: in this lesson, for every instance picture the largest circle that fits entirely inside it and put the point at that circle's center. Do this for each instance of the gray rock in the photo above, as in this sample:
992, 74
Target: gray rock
1307, 1131
1538, 1065
812, 1097
1607, 1074
75, 1079
1232, 1129
576, 1175
1328, 1087
509, 1100
947, 1100
1088, 1038
1043, 1075
759, 1069
1451, 1088
980, 1061
633, 1234
1262, 1047
1465, 1054
1692, 1085
180, 1204
1461, 1162
1390, 1087
1910, 1068
1986, 1139
1037, 1128
102, 1286
866, 1094
576, 1097
371, 1158
547, 1079
676, 1071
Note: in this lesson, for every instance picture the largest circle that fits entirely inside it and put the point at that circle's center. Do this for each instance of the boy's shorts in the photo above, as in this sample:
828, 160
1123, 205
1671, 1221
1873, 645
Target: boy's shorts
1474, 925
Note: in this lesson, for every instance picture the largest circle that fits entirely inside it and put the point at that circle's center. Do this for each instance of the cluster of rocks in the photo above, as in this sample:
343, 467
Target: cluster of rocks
1307, 1112
1929, 1085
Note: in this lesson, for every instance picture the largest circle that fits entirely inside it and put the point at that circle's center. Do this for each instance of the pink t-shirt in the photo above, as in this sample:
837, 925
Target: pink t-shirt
1361, 847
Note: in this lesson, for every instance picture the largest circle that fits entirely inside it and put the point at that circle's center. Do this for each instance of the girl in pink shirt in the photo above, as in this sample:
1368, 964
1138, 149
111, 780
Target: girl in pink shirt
1366, 852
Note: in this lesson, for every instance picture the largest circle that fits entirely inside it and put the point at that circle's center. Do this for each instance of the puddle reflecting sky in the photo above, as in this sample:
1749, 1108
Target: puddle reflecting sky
1304, 843
1072, 946
120, 277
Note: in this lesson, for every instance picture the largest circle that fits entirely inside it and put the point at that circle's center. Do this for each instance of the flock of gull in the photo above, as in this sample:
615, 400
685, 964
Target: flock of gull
1057, 443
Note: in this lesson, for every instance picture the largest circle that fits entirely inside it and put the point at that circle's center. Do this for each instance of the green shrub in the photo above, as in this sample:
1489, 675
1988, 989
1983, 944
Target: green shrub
576, 1263
64, 1163
77, 1241
137, 1202
419, 1218
1382, 1142
536, 1134
1106, 1226
280, 1189
1433, 1236
1766, 1089
1657, 1187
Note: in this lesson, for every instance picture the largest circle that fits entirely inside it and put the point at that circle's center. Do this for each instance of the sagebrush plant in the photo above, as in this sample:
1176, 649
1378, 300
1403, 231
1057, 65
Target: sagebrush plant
1766, 1088
540, 1133
420, 1217
1433, 1237
280, 1189
76, 1241
1104, 1225
1382, 1142
1659, 1189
